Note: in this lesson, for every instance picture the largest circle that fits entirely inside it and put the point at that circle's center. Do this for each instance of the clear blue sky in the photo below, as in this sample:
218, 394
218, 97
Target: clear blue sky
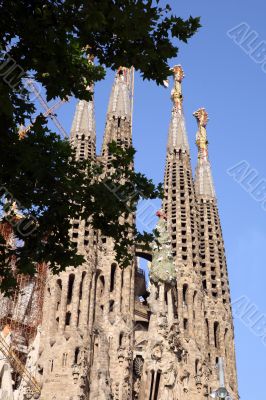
223, 78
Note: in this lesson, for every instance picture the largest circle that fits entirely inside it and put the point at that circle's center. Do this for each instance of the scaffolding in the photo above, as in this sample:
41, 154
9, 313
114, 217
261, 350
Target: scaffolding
23, 314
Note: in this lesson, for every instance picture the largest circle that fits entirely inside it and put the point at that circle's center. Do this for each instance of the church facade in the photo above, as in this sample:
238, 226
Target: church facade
106, 334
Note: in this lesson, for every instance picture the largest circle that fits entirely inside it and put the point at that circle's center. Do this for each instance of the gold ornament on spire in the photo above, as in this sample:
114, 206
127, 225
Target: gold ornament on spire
201, 116
176, 93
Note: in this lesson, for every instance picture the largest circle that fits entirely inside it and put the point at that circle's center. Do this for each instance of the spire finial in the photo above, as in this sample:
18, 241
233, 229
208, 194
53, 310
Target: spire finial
120, 99
122, 73
176, 93
201, 116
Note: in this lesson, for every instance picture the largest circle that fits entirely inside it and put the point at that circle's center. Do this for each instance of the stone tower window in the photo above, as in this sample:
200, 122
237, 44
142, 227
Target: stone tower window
81, 284
58, 292
165, 296
196, 366
102, 280
76, 356
185, 289
71, 280
157, 385
112, 279
225, 340
194, 298
121, 336
216, 334
207, 330
68, 318
152, 382
111, 306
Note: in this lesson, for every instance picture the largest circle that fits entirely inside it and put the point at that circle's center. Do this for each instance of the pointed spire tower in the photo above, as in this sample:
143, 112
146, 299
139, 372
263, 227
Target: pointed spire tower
83, 131
213, 268
203, 177
180, 209
179, 197
119, 114
114, 296
177, 138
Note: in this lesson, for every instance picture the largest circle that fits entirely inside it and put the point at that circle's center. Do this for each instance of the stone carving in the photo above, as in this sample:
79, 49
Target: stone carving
138, 366
162, 267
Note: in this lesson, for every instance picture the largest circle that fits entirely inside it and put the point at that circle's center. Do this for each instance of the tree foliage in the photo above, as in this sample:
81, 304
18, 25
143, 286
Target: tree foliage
49, 41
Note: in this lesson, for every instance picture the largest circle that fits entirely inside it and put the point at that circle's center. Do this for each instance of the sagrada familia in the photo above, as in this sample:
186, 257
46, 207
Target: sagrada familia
106, 333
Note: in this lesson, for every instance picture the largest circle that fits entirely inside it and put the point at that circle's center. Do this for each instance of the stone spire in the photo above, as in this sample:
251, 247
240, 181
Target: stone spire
120, 103
203, 176
179, 196
177, 138
213, 268
83, 131
119, 118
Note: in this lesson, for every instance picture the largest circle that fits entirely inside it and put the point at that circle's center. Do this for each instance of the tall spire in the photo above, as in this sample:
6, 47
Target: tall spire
119, 114
177, 138
203, 176
120, 102
83, 131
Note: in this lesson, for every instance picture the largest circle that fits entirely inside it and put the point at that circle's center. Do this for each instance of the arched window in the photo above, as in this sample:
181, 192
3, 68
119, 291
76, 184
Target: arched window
216, 334
102, 284
81, 284
151, 387
111, 306
196, 366
68, 318
195, 297
165, 296
71, 280
174, 302
185, 289
76, 357
58, 292
122, 278
207, 330
226, 341
157, 385
121, 337
112, 278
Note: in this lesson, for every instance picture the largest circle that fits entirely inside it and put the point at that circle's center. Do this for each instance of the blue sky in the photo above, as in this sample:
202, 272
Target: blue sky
227, 80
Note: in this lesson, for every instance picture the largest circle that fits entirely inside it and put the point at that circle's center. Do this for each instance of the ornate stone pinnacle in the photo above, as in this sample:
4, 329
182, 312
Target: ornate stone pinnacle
201, 116
178, 73
122, 72
176, 93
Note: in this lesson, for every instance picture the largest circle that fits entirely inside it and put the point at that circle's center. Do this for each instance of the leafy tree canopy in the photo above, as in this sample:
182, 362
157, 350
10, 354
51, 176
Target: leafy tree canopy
50, 41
